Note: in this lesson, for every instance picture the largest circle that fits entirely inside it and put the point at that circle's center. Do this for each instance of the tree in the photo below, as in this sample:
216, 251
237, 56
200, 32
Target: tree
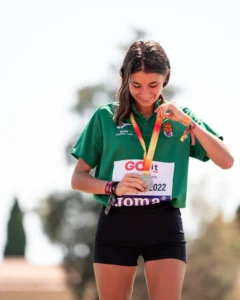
70, 221
213, 262
238, 214
16, 238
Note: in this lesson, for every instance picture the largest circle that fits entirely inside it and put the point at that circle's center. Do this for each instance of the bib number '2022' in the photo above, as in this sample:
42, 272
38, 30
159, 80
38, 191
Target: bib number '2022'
160, 187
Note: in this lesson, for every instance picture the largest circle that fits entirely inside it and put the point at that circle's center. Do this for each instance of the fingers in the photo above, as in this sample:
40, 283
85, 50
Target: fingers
134, 181
131, 183
164, 110
169, 111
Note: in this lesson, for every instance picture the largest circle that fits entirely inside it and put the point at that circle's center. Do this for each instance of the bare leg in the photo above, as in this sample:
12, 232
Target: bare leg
165, 278
114, 282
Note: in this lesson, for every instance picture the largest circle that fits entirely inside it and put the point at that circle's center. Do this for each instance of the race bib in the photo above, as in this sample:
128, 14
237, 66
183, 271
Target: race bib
162, 177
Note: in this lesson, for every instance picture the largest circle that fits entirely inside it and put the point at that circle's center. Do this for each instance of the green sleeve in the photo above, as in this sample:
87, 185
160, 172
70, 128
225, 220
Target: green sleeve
197, 151
90, 143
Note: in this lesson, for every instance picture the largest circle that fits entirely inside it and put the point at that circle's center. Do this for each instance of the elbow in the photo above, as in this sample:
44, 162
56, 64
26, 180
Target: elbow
74, 183
228, 163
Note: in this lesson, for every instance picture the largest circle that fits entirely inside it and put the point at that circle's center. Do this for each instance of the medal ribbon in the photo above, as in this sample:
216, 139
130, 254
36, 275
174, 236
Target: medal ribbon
148, 155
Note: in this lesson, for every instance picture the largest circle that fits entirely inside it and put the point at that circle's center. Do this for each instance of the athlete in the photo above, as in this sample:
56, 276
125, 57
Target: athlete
140, 148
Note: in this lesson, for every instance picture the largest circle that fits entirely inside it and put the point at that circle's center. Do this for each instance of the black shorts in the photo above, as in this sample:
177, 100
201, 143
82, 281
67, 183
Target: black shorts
153, 232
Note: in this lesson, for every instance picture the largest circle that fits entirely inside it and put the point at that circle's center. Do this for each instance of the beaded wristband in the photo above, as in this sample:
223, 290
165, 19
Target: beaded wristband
113, 188
108, 188
190, 127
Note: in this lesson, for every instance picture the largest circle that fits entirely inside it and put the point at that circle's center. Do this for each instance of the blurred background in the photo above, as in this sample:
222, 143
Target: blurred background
59, 60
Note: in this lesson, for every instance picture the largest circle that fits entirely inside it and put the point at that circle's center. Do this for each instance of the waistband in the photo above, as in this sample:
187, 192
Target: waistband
136, 209
129, 200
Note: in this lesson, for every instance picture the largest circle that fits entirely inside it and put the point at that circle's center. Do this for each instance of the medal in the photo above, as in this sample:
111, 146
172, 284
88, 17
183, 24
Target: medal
147, 179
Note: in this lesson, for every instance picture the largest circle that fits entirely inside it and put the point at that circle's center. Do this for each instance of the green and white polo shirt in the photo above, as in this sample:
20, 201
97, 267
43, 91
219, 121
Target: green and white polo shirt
115, 150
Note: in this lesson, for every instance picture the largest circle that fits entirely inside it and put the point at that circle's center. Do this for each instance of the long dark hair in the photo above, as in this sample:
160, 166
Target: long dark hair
148, 57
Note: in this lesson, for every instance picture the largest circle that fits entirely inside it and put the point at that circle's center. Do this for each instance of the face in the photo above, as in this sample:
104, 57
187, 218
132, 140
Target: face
146, 88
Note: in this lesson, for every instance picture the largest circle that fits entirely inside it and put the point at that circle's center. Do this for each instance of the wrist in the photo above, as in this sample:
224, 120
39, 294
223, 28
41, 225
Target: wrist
107, 189
186, 121
192, 125
110, 188
114, 188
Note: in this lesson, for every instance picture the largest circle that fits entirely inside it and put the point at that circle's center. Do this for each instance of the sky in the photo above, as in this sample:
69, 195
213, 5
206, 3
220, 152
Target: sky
50, 49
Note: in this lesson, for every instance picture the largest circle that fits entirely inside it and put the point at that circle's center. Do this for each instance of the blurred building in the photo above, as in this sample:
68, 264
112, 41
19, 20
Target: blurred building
20, 280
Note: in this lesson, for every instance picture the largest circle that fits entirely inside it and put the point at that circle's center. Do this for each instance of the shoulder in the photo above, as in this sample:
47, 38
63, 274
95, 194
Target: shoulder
107, 109
104, 114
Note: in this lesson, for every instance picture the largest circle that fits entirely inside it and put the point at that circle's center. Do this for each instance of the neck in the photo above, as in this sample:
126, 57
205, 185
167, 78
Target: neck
145, 111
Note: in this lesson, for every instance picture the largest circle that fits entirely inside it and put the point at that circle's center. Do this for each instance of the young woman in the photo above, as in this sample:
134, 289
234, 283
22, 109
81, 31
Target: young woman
140, 147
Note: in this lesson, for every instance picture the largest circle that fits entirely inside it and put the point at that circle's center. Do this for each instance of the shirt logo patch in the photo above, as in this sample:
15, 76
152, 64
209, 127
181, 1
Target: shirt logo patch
123, 125
167, 129
122, 130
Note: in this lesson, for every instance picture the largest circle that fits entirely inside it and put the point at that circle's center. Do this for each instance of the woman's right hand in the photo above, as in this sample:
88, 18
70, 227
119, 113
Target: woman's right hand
131, 183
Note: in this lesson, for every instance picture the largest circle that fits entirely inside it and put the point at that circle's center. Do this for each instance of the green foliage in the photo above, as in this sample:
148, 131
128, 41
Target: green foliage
70, 221
87, 95
213, 262
16, 238
238, 215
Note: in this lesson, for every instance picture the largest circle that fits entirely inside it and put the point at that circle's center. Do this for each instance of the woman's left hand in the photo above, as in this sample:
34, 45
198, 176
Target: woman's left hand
169, 110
